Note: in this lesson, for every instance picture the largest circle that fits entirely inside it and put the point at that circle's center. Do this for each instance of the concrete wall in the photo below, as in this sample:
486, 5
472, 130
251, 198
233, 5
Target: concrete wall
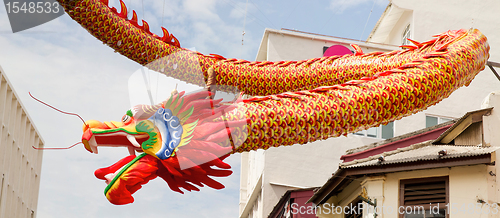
285, 46
491, 122
467, 185
491, 125
395, 37
20, 164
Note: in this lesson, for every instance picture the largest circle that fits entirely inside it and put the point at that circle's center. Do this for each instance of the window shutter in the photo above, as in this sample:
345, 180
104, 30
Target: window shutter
431, 192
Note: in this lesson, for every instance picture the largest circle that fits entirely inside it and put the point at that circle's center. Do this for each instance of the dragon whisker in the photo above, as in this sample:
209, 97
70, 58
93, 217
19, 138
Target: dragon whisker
64, 112
56, 148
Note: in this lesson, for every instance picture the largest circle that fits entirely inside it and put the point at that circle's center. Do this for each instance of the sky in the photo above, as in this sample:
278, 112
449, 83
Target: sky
62, 64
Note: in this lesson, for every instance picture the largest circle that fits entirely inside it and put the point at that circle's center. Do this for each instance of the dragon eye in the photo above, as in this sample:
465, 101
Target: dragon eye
126, 119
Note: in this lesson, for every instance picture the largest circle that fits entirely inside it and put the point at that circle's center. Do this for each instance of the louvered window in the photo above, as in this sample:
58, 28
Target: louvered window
356, 212
418, 196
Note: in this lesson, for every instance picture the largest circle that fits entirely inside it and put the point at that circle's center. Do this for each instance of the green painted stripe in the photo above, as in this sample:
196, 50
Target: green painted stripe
122, 171
113, 130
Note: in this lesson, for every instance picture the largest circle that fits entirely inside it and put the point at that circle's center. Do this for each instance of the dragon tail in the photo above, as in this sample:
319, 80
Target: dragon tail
136, 42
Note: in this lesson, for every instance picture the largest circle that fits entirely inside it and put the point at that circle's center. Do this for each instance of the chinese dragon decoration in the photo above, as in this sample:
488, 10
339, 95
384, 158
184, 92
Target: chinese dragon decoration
185, 139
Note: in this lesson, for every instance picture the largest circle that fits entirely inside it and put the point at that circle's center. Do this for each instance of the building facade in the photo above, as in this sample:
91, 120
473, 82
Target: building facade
293, 205
267, 175
20, 164
453, 175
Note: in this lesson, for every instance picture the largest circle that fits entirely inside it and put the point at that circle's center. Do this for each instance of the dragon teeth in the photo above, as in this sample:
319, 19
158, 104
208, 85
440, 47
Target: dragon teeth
132, 140
109, 177
93, 145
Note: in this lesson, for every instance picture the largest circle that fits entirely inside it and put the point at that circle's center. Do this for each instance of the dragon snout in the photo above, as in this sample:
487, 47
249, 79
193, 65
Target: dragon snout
87, 133
89, 125
93, 124
86, 140
112, 133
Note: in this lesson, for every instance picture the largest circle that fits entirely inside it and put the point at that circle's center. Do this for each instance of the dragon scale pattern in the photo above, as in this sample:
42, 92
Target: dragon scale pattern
304, 116
185, 139
304, 100
164, 54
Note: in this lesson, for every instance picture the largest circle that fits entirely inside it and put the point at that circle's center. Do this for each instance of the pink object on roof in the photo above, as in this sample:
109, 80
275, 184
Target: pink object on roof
336, 50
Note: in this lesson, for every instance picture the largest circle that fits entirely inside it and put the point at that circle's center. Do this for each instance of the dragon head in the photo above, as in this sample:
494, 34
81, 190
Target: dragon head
180, 140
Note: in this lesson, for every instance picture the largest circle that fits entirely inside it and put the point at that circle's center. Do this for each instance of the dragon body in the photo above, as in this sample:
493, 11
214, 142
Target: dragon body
295, 101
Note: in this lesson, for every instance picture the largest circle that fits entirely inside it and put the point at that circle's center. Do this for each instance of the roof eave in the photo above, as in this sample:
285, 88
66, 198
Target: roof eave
324, 193
462, 124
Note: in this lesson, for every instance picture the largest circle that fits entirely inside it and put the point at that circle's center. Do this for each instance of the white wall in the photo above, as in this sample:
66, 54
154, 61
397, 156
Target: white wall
491, 122
395, 37
284, 46
467, 184
20, 164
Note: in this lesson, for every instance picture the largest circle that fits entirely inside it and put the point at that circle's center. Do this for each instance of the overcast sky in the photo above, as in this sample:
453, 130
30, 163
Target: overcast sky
62, 64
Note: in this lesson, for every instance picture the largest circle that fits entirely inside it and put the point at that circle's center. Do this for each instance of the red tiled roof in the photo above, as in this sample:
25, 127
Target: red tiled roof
401, 142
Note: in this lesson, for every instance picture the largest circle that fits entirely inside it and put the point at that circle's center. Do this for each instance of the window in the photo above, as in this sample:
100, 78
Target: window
406, 36
381, 132
423, 197
435, 120
286, 213
356, 212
